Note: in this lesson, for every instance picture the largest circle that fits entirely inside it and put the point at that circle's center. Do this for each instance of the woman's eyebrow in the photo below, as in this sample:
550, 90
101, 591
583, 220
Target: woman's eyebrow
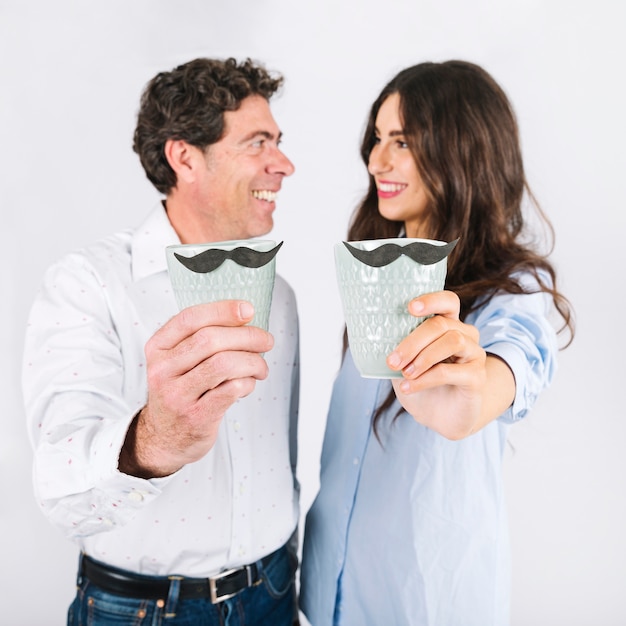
393, 133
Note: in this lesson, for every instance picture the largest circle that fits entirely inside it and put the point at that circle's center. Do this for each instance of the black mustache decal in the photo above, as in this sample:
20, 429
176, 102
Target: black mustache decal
210, 260
419, 251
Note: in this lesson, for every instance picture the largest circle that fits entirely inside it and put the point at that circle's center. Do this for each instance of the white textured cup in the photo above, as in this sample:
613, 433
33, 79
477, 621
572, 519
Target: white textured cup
229, 281
375, 301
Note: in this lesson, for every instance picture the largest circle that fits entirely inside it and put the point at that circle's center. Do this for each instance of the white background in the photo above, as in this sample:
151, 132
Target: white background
70, 78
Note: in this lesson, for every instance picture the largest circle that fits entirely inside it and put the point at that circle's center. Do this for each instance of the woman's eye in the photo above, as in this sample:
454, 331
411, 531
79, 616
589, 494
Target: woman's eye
403, 144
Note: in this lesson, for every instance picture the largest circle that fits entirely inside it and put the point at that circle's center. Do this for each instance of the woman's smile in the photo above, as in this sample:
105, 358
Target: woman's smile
388, 189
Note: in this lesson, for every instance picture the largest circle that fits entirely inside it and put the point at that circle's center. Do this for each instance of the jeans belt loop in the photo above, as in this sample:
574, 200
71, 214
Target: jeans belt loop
172, 596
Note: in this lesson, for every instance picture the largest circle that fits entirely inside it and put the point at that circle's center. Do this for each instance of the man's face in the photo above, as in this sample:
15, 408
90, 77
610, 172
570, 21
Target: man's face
244, 172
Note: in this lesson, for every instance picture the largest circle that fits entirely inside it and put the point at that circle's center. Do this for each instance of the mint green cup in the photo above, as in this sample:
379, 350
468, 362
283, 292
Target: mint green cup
196, 280
375, 299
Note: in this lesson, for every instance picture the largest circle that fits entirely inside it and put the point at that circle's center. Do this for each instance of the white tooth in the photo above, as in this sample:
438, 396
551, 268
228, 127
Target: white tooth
391, 187
264, 194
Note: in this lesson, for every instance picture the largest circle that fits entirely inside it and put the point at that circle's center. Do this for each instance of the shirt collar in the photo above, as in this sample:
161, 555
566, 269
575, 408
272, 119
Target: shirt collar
149, 242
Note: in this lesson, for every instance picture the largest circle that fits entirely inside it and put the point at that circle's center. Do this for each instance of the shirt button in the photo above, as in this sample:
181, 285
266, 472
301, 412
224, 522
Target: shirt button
236, 426
355, 460
135, 496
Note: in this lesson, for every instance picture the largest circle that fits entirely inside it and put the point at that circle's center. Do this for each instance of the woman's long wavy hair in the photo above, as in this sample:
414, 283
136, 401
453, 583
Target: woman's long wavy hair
463, 134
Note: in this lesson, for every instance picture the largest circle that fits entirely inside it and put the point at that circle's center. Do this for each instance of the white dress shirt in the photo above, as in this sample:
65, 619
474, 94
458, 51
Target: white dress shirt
84, 381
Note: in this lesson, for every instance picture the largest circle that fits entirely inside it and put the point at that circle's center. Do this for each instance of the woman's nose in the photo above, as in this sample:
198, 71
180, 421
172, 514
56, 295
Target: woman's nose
378, 161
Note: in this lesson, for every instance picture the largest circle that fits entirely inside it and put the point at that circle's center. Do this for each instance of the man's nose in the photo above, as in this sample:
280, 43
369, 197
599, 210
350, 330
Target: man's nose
281, 164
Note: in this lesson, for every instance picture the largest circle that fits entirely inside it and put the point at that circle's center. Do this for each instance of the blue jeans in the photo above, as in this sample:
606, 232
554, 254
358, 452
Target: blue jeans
270, 603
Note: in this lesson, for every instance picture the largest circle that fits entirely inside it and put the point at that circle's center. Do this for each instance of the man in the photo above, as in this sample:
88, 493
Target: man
157, 448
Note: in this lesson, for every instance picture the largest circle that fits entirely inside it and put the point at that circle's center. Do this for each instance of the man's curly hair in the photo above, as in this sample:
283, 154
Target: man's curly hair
188, 103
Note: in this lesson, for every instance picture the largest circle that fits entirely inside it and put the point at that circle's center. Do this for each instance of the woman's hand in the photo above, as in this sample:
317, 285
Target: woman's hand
450, 384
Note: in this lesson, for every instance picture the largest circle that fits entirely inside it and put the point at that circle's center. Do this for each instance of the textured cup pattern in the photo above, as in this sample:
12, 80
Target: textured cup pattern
229, 281
375, 301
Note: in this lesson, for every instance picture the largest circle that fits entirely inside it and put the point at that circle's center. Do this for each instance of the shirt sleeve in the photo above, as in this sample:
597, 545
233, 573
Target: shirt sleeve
76, 411
517, 328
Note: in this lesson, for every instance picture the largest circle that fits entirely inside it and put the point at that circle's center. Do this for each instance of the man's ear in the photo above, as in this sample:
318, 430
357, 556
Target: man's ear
182, 158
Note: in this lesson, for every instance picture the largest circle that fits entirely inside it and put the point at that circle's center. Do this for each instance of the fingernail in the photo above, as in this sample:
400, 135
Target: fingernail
417, 306
394, 359
246, 310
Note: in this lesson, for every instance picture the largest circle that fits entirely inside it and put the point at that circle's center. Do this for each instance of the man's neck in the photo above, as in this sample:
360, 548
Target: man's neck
187, 223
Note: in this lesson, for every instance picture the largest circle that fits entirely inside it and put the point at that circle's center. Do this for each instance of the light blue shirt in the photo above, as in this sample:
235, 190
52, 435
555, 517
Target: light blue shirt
412, 530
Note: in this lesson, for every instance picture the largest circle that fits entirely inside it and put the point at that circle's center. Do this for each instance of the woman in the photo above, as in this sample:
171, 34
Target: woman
409, 525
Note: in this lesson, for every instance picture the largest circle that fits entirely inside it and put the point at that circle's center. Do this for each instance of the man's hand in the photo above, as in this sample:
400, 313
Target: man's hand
450, 384
198, 364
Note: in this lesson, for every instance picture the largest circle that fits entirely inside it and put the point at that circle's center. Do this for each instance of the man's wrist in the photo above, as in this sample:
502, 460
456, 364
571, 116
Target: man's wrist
133, 459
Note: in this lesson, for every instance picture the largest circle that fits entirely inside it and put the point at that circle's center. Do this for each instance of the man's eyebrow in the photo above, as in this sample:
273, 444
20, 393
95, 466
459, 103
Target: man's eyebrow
265, 134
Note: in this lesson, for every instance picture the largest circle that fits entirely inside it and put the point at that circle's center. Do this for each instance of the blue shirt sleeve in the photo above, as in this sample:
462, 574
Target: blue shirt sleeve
517, 328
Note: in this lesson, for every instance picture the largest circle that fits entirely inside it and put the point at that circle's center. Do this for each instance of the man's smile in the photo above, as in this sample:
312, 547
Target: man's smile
265, 194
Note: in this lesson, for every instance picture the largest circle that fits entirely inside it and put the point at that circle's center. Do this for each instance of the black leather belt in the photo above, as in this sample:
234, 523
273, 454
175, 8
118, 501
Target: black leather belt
216, 588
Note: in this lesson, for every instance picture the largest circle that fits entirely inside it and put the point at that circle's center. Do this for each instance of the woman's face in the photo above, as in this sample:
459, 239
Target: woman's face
401, 193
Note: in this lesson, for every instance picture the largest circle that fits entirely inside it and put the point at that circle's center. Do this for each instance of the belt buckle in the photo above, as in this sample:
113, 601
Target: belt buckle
215, 599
